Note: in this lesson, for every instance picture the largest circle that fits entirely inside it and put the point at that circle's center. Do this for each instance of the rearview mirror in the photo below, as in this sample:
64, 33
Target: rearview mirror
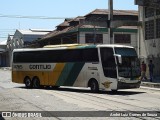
119, 58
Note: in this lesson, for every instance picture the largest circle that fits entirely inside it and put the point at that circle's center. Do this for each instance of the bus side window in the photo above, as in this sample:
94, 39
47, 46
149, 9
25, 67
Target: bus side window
90, 55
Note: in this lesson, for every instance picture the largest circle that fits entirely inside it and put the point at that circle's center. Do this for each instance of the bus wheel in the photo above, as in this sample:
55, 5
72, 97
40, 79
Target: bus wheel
27, 82
36, 83
114, 91
55, 87
94, 86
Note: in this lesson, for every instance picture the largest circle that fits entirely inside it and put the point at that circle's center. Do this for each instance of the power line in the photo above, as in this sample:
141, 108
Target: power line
32, 17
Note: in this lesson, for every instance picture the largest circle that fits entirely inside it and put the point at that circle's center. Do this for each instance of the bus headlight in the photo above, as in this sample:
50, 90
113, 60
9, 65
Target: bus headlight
121, 80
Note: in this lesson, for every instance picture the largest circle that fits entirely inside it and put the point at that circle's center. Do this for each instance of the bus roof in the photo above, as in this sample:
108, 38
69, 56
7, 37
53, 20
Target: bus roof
70, 46
64, 45
114, 45
85, 45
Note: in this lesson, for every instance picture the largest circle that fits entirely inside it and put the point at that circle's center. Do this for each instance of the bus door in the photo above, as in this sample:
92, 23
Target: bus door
109, 67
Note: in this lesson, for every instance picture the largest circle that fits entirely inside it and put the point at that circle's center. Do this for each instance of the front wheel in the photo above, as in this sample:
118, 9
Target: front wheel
28, 82
94, 86
114, 91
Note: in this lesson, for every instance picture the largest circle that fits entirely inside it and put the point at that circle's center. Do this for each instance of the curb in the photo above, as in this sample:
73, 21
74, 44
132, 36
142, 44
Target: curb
149, 84
149, 88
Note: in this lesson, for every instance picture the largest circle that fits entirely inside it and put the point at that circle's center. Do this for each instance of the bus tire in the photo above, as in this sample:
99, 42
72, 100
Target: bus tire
114, 91
28, 82
93, 84
55, 87
36, 82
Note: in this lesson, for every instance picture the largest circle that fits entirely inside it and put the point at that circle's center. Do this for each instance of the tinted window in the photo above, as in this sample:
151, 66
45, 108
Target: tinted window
94, 38
126, 51
122, 38
70, 55
90, 55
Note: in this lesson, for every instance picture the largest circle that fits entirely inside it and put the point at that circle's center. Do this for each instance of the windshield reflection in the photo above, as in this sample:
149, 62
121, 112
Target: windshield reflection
129, 68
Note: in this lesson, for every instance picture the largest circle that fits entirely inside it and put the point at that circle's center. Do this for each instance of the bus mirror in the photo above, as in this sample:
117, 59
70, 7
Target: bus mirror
119, 58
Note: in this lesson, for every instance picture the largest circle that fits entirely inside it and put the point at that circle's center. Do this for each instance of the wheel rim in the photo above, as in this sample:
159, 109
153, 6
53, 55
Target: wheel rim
93, 86
28, 82
36, 83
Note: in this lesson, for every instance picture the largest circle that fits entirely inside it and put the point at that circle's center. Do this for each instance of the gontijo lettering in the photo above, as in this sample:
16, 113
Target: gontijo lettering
39, 66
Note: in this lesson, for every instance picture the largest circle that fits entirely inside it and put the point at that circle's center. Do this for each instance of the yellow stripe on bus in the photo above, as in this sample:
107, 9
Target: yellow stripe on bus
54, 75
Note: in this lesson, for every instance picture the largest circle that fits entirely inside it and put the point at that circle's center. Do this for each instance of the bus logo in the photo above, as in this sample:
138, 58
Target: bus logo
106, 84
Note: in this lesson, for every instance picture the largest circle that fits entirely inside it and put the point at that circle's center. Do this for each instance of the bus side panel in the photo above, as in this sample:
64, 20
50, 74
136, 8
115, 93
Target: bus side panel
76, 69
64, 74
92, 71
81, 79
55, 74
108, 83
69, 74
17, 77
43, 77
114, 84
89, 71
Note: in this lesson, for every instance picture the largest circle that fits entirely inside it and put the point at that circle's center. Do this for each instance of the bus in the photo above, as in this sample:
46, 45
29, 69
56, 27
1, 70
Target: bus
100, 67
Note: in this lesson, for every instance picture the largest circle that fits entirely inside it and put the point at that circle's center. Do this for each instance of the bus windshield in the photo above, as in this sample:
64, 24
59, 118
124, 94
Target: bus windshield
130, 66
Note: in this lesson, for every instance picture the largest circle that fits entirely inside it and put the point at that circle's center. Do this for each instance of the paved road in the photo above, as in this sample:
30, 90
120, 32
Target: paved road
15, 97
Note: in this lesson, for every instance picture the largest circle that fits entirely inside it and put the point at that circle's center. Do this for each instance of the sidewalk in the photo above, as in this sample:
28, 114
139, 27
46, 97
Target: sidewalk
154, 84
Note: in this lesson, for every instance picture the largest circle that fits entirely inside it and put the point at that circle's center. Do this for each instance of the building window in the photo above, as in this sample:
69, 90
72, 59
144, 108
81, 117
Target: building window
149, 12
149, 29
122, 38
157, 11
94, 38
158, 28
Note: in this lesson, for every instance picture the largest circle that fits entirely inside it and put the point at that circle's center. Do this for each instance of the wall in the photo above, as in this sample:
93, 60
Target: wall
149, 49
106, 41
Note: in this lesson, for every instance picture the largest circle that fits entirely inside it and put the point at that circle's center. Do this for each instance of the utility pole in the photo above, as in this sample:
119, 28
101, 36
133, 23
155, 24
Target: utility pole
110, 18
94, 34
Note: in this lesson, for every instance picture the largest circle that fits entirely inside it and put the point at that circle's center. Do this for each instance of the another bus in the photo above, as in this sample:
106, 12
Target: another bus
100, 67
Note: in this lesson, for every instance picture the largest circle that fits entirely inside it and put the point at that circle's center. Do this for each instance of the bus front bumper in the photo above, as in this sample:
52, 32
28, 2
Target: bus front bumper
123, 85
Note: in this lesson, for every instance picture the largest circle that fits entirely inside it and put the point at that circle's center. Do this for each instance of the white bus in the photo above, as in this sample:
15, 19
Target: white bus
100, 67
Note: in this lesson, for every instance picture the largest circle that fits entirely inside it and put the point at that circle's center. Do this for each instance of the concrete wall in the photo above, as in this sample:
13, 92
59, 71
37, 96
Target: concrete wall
82, 37
134, 38
148, 49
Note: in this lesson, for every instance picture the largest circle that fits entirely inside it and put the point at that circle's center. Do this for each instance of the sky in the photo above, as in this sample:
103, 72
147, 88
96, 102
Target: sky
50, 9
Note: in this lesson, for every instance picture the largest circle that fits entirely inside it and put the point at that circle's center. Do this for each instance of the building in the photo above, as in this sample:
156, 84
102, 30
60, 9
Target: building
93, 29
3, 54
149, 32
23, 39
